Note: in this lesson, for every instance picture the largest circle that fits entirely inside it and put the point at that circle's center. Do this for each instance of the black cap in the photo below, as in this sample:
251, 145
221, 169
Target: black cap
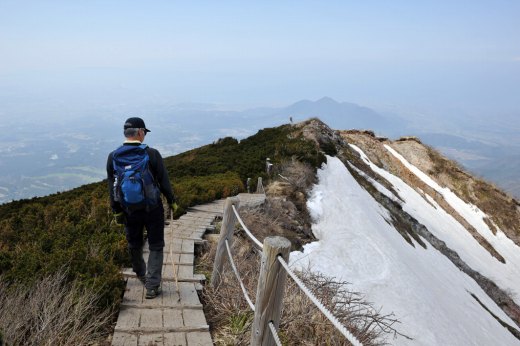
135, 123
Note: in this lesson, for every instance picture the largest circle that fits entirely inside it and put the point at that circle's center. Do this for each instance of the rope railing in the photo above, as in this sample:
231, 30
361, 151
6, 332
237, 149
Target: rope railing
339, 326
284, 178
277, 258
248, 232
230, 256
274, 333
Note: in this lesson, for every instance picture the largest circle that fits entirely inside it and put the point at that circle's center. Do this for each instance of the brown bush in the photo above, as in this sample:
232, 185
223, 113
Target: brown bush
279, 216
51, 312
301, 176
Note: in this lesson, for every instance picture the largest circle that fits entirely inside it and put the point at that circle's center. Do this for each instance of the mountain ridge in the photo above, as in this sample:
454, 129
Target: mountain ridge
485, 219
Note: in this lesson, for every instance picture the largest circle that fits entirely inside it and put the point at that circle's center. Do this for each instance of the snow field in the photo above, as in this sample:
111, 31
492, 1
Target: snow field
428, 294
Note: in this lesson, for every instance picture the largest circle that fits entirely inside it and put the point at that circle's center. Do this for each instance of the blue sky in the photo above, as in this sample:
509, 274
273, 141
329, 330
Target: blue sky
435, 55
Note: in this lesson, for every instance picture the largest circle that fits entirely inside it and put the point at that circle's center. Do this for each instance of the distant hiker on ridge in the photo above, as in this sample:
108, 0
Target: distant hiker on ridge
136, 179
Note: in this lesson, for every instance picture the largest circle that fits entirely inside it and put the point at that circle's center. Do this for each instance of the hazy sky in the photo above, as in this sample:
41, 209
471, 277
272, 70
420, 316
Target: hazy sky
432, 54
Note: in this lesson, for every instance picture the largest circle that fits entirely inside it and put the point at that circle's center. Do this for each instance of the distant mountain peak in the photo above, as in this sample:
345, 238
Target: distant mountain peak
327, 100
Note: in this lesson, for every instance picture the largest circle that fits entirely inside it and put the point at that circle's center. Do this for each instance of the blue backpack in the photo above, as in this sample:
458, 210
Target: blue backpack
134, 185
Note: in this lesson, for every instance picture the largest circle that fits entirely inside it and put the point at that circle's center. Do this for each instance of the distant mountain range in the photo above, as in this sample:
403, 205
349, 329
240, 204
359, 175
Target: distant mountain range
479, 149
52, 157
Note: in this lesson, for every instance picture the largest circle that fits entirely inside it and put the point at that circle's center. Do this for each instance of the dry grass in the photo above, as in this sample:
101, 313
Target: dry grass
51, 312
298, 174
302, 323
279, 217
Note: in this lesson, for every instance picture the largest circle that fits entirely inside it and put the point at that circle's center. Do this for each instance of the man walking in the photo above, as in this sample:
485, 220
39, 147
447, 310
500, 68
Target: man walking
136, 179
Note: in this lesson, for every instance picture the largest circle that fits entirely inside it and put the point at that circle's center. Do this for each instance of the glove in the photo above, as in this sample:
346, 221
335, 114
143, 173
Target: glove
119, 218
174, 207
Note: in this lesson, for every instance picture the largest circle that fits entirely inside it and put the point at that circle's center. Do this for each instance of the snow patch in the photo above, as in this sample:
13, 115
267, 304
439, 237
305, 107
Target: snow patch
428, 294
507, 275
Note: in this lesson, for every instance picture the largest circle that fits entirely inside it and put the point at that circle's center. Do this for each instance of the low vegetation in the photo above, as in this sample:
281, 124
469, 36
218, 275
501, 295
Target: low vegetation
247, 157
51, 311
41, 235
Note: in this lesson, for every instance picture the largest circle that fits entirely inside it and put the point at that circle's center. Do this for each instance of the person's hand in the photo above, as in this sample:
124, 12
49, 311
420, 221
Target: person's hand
174, 207
119, 218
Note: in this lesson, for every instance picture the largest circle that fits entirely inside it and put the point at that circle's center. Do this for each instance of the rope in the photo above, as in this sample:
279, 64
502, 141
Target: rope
339, 326
248, 232
251, 305
285, 178
275, 334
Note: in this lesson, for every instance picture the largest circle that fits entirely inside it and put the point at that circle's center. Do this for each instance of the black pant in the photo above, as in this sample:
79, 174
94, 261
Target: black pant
154, 223
153, 220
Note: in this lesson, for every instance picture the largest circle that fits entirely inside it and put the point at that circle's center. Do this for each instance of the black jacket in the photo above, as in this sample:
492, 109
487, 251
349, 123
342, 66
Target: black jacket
158, 171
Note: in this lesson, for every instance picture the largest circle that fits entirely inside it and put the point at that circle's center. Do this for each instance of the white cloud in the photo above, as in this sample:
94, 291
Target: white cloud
54, 157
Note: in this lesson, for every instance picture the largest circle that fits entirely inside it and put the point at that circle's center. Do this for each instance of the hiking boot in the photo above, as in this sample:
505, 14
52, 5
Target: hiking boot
151, 293
142, 279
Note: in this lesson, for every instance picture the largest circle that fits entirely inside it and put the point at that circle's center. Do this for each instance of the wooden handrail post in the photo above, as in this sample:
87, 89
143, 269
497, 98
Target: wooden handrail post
270, 290
259, 185
226, 233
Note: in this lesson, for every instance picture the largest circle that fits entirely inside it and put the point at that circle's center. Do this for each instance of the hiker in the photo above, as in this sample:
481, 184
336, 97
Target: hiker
136, 179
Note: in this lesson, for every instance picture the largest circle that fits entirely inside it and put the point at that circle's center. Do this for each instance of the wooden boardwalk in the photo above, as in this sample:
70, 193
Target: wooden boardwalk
176, 316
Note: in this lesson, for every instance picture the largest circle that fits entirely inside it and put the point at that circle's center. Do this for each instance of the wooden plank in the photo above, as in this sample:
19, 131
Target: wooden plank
184, 252
193, 236
175, 295
185, 272
179, 259
173, 318
141, 330
156, 339
151, 318
199, 339
124, 339
181, 306
167, 271
134, 293
188, 293
198, 219
187, 246
177, 247
194, 279
177, 339
194, 317
127, 319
